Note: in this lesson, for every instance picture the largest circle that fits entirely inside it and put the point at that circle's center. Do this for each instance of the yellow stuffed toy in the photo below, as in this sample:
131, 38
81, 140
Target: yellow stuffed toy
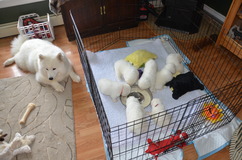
139, 57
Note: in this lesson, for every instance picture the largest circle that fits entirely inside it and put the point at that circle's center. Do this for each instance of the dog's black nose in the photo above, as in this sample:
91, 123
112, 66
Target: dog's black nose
51, 78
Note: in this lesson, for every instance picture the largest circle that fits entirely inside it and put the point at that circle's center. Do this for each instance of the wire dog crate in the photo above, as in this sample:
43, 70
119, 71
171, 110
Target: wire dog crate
216, 68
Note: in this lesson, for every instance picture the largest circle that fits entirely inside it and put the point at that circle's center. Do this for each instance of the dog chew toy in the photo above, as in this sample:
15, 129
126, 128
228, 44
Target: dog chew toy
30, 107
140, 57
19, 145
184, 83
212, 112
178, 140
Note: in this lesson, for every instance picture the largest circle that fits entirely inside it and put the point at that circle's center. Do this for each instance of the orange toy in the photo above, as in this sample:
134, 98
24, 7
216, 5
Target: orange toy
212, 112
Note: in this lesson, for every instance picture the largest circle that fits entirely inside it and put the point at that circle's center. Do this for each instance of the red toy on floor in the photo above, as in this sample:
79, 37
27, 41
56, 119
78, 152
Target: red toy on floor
178, 139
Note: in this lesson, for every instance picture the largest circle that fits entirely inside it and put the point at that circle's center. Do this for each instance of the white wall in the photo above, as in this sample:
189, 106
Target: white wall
10, 29
10, 3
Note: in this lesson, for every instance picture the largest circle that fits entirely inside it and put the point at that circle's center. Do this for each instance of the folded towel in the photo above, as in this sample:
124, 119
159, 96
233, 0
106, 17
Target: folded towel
216, 140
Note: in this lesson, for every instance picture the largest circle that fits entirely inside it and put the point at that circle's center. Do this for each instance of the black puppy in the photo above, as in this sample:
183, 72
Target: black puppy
184, 83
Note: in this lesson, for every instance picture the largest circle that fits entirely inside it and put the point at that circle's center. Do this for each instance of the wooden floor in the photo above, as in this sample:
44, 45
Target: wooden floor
89, 144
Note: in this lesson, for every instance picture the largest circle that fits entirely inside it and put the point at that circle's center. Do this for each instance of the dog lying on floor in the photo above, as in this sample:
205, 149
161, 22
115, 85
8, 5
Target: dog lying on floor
47, 61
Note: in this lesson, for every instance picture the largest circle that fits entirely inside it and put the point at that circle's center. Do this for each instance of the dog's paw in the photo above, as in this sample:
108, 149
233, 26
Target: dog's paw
59, 88
76, 79
8, 62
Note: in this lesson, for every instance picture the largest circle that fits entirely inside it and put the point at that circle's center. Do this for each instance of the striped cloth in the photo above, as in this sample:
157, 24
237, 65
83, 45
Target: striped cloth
55, 5
235, 149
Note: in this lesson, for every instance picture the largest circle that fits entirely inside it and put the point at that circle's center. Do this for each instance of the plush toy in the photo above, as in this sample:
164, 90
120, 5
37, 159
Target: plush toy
140, 57
184, 83
20, 144
212, 112
178, 139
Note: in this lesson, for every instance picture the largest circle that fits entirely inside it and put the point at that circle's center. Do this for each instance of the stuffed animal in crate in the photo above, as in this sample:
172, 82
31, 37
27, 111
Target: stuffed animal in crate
178, 140
140, 57
184, 83
212, 112
19, 145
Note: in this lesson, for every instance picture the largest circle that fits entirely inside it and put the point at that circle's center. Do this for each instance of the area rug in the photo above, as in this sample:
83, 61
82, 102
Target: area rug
51, 121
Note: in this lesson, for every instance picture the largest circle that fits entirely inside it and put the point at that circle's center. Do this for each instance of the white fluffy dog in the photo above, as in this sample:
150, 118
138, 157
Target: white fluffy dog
147, 80
134, 113
113, 89
175, 59
159, 119
127, 71
47, 61
164, 75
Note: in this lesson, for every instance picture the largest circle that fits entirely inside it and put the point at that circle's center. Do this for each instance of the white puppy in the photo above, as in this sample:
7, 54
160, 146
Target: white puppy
176, 59
164, 75
113, 89
134, 113
162, 118
47, 61
127, 71
148, 77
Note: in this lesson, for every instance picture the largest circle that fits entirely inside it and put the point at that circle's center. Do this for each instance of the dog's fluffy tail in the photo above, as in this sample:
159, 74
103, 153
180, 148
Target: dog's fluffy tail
17, 43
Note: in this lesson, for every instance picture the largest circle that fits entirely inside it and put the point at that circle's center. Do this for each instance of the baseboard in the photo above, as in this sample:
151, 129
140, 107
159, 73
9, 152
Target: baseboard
213, 12
10, 29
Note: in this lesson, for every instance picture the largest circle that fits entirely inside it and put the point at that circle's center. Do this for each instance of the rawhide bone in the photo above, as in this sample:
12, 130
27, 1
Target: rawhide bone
30, 107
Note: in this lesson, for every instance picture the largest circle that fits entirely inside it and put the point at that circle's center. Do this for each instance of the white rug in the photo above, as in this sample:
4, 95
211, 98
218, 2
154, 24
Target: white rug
51, 121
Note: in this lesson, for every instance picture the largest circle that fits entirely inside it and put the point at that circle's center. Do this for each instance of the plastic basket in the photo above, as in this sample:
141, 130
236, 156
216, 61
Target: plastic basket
41, 30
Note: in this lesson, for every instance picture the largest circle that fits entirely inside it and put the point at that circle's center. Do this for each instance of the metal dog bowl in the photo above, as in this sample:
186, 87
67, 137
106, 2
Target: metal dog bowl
144, 96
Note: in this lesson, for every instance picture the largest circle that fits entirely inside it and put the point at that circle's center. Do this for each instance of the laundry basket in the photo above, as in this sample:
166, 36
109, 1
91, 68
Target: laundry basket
32, 26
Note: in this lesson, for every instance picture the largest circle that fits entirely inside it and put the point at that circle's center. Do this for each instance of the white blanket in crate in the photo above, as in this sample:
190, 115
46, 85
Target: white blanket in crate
102, 64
